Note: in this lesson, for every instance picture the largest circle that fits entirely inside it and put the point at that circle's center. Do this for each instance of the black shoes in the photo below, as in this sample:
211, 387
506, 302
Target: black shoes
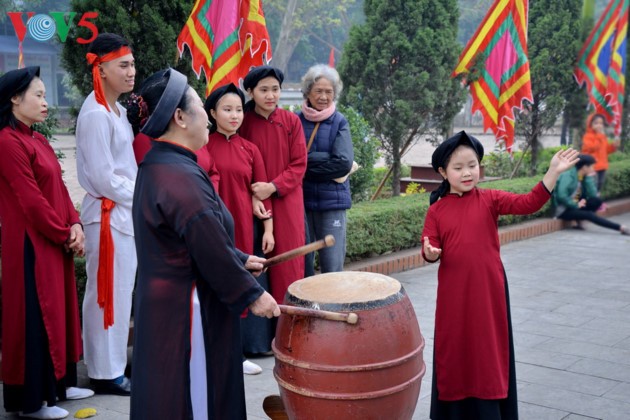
109, 386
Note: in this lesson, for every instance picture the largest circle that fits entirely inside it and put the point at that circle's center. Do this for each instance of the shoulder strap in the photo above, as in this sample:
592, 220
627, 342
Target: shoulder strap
310, 140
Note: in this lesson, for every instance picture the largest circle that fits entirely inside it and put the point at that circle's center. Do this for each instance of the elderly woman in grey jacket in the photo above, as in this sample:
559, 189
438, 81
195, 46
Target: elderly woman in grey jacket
330, 158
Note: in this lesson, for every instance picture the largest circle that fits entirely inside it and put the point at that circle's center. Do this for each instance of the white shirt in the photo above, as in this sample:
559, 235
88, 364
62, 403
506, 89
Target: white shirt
106, 165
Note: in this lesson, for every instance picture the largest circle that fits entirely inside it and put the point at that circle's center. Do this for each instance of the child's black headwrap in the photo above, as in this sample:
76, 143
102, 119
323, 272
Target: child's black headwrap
442, 154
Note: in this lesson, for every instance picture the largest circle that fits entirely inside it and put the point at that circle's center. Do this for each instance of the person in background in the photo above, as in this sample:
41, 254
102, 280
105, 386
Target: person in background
41, 232
279, 136
106, 169
596, 144
575, 197
474, 374
185, 241
240, 165
330, 158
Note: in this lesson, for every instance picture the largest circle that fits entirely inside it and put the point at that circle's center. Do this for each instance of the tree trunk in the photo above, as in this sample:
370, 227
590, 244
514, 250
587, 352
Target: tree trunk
287, 40
395, 172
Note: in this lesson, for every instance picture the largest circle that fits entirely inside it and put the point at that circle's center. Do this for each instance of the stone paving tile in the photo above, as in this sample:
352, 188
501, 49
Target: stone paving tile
574, 402
603, 369
586, 350
542, 358
570, 381
620, 393
533, 411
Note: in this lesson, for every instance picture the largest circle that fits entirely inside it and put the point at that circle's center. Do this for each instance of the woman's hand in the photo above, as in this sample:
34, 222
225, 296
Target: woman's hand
265, 306
76, 240
263, 190
255, 265
268, 242
259, 209
430, 252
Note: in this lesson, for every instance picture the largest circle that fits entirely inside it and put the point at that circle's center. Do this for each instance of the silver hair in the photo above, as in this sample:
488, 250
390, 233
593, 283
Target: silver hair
315, 73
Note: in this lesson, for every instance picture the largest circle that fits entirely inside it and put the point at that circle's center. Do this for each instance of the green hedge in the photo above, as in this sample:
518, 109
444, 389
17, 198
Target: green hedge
392, 224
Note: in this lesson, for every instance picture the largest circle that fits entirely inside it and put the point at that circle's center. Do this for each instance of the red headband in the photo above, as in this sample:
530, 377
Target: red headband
95, 60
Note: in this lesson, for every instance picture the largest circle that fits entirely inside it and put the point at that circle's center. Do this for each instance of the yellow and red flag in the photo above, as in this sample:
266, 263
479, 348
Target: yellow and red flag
225, 38
602, 63
504, 79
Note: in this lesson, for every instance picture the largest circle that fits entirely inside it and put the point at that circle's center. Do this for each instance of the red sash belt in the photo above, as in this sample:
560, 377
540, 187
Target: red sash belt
105, 275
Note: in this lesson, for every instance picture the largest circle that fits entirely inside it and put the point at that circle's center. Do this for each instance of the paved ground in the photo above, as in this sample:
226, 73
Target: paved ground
570, 294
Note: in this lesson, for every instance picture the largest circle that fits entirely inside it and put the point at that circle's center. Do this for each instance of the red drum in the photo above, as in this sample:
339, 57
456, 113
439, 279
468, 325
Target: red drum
335, 370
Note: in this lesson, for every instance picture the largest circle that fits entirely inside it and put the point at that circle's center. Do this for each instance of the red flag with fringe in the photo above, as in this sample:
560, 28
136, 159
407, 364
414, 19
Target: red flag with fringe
225, 38
602, 63
504, 81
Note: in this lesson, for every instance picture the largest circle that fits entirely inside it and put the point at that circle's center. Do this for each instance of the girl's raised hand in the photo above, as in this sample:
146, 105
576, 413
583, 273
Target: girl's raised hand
563, 160
430, 252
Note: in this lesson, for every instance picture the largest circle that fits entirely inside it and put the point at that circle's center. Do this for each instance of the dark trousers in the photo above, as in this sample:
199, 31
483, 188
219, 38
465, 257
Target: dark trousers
588, 213
39, 375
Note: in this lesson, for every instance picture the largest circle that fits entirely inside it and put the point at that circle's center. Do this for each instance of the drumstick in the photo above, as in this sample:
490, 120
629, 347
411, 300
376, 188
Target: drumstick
350, 318
329, 240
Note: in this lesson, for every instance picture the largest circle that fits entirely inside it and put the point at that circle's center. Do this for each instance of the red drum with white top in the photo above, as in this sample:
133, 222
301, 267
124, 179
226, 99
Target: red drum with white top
336, 370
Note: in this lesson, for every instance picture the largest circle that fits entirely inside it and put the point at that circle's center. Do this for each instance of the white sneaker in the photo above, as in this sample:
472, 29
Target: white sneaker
74, 393
250, 368
49, 413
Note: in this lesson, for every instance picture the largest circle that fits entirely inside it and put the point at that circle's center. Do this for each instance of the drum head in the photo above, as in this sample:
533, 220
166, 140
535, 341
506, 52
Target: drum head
346, 290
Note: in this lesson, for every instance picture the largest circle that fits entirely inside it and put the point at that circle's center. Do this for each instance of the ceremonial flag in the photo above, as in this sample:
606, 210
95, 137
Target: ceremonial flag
504, 79
331, 57
225, 38
602, 63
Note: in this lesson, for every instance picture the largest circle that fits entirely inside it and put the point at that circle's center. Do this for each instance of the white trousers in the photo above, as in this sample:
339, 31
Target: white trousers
198, 381
105, 350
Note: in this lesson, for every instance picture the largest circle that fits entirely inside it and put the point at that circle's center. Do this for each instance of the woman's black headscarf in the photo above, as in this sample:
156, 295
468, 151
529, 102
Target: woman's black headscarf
442, 154
158, 121
215, 96
256, 74
14, 83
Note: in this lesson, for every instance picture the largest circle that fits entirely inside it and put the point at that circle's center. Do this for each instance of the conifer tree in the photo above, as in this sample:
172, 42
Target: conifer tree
553, 44
396, 70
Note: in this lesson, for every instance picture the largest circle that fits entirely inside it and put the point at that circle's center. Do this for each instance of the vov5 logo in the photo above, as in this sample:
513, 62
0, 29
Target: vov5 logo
43, 27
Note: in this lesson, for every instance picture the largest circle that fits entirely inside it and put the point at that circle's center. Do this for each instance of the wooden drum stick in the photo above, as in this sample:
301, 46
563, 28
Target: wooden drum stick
329, 240
350, 318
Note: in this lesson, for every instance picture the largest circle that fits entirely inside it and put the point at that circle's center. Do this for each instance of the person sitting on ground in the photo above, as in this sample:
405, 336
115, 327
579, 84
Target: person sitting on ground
575, 197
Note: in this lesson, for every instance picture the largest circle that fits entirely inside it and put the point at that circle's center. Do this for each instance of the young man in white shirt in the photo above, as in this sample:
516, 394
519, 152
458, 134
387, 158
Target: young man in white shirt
107, 169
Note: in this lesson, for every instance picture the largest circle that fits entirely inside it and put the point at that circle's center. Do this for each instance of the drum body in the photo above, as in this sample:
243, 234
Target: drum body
335, 370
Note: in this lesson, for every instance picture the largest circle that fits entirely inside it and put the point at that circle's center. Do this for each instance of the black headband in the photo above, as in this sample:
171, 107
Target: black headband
175, 90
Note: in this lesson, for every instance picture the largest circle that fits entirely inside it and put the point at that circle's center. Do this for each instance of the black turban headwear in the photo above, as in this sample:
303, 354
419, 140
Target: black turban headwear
11, 84
584, 160
256, 74
442, 154
215, 96
220, 92
176, 88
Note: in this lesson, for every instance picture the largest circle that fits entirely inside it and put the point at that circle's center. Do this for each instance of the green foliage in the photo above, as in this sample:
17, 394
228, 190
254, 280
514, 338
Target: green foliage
396, 68
365, 154
501, 164
80, 275
617, 180
48, 127
151, 28
553, 44
379, 173
381, 226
